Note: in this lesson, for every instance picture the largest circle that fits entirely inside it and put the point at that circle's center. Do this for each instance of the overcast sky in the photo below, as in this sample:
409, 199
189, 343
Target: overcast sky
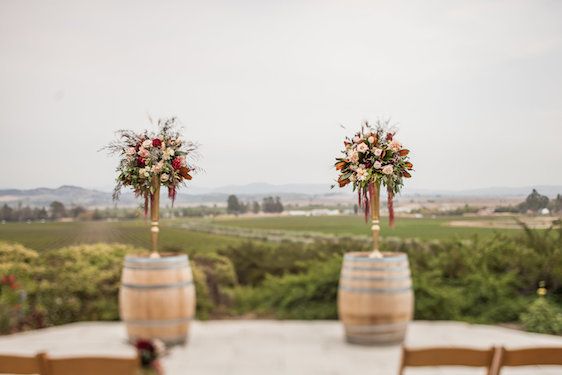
475, 86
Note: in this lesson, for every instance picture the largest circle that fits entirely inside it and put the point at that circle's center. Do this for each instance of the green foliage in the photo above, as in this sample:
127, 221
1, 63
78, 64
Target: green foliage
272, 205
534, 202
215, 274
486, 280
482, 279
256, 261
233, 205
204, 305
542, 316
81, 282
51, 235
343, 225
16, 259
308, 295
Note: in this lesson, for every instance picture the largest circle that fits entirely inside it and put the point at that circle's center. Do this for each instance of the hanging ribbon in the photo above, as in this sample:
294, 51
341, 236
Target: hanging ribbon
172, 194
390, 205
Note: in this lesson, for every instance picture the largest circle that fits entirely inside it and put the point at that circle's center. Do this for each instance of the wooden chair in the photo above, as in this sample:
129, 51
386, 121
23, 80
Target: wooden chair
90, 366
19, 364
430, 357
528, 357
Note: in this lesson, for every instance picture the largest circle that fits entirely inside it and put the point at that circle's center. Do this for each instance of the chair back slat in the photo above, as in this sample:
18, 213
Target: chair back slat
429, 357
92, 366
531, 356
19, 364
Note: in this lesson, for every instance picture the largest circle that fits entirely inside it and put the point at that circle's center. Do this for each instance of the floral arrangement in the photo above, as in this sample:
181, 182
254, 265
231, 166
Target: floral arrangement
151, 158
371, 158
150, 352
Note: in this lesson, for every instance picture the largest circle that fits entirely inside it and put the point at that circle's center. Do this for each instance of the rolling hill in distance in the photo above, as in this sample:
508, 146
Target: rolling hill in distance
255, 191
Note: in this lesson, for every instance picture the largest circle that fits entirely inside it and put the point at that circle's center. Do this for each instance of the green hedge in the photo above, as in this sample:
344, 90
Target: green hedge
81, 283
479, 280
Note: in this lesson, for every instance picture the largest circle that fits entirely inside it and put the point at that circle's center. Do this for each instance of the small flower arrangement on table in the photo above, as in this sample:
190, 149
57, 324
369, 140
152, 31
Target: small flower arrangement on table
371, 158
150, 352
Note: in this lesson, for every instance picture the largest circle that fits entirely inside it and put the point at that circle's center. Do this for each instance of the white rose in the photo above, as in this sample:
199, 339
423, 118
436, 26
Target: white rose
395, 145
168, 153
378, 151
362, 147
131, 151
157, 168
353, 156
371, 139
143, 152
361, 174
147, 143
377, 164
388, 169
164, 177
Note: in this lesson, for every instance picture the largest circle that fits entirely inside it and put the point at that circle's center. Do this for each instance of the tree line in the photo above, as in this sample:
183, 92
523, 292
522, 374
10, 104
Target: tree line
57, 211
535, 203
268, 205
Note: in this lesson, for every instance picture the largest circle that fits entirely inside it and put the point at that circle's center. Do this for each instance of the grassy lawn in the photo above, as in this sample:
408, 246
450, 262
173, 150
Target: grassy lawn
45, 236
425, 228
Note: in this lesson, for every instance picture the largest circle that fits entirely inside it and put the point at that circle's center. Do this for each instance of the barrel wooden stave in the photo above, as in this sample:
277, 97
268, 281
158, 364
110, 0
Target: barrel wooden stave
157, 298
375, 298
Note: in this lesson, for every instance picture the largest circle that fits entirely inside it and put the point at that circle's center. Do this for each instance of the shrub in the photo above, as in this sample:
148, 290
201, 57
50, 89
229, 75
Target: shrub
214, 275
254, 262
17, 266
308, 295
81, 282
542, 316
17, 260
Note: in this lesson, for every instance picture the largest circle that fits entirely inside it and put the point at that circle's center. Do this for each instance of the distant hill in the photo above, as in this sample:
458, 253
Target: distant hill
66, 194
549, 190
70, 195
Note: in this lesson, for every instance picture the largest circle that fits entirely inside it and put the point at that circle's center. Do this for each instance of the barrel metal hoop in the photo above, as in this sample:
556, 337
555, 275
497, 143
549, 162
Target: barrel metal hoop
376, 328
173, 259
158, 286
394, 259
150, 267
359, 268
170, 341
159, 322
375, 278
375, 290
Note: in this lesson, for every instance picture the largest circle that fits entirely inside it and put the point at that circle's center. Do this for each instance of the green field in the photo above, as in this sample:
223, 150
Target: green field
49, 235
46, 236
426, 228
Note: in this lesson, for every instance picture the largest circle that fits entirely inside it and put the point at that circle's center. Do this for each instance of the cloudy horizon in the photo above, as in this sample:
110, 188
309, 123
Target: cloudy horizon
475, 87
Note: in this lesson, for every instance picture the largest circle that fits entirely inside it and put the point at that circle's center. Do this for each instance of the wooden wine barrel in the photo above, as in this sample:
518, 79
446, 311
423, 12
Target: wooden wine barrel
375, 298
157, 298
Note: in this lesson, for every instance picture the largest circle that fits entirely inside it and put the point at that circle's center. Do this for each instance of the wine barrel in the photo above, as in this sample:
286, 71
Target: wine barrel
375, 298
157, 298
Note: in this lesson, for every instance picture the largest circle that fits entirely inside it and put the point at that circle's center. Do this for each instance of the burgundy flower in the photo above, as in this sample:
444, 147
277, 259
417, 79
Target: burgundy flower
389, 136
156, 142
176, 163
141, 162
144, 345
